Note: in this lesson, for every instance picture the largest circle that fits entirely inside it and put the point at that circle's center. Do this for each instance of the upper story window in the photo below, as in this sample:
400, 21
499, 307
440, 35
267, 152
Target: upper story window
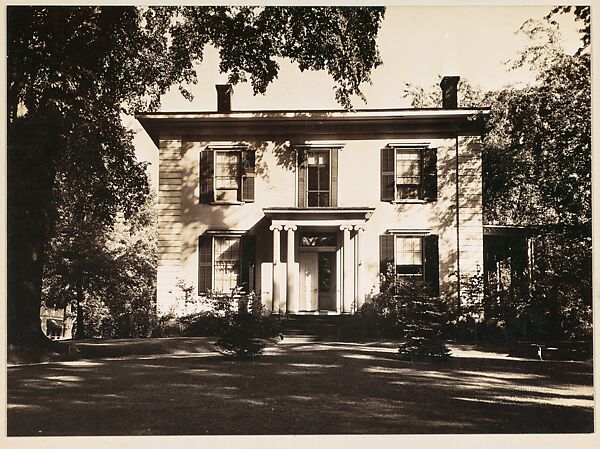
227, 172
227, 175
317, 177
408, 173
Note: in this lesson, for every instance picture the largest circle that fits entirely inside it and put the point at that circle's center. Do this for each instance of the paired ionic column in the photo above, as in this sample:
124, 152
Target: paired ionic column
276, 262
291, 259
359, 298
347, 293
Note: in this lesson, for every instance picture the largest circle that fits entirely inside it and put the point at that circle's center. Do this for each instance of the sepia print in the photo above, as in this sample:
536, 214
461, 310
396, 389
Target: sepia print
298, 220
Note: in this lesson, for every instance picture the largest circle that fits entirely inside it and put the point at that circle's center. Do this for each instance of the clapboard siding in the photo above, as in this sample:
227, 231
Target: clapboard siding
169, 209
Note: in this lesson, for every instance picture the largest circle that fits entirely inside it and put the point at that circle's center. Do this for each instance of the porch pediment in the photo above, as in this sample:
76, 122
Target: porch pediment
319, 216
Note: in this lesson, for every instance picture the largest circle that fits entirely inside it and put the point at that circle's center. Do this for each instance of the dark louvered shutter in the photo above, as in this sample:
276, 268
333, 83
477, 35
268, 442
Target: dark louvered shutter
386, 252
301, 177
432, 263
205, 264
207, 168
430, 174
334, 178
387, 174
248, 262
248, 176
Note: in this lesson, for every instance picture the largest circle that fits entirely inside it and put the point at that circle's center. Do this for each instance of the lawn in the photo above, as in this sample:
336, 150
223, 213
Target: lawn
300, 386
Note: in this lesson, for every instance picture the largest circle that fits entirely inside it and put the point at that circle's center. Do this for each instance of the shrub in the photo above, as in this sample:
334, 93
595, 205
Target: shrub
424, 317
381, 315
246, 330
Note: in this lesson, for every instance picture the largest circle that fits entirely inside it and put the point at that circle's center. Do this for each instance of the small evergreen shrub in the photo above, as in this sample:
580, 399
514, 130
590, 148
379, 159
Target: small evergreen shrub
246, 329
424, 317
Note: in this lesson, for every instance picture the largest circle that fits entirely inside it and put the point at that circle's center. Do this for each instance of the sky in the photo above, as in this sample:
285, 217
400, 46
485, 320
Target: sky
417, 45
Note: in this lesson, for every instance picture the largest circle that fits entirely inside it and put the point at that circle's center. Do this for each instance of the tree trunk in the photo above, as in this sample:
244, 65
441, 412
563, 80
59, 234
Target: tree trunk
31, 172
80, 331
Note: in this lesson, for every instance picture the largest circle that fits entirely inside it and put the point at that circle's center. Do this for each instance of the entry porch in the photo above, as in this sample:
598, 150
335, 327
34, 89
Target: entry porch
322, 274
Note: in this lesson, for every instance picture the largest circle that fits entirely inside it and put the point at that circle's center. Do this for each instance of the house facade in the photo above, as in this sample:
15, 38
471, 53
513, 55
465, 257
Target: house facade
307, 208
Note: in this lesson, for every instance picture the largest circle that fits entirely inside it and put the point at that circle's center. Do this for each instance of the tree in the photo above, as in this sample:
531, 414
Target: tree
73, 71
537, 172
108, 271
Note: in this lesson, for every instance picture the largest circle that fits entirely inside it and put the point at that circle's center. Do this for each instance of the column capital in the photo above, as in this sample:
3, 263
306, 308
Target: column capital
345, 227
275, 227
359, 228
290, 227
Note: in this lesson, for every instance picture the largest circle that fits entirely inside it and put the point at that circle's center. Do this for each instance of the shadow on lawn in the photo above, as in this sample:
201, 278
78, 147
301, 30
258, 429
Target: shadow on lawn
303, 388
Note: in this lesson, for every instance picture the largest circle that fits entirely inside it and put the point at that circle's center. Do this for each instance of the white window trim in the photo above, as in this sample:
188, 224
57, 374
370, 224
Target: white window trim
410, 234
421, 146
223, 147
322, 149
224, 234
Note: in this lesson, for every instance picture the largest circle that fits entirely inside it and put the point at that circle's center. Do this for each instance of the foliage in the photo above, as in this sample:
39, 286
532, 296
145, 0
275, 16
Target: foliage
537, 173
108, 271
381, 315
558, 304
72, 72
404, 309
247, 329
582, 13
424, 321
238, 320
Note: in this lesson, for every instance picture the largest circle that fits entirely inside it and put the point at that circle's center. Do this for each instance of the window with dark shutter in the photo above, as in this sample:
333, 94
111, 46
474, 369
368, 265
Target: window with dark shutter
301, 164
334, 177
432, 263
408, 172
318, 176
430, 174
207, 167
248, 176
386, 252
387, 174
205, 264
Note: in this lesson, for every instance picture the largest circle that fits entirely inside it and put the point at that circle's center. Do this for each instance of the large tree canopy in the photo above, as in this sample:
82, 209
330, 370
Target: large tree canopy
537, 172
72, 72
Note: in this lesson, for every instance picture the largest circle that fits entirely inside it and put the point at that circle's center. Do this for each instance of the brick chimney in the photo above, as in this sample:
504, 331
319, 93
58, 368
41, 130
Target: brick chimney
224, 98
449, 85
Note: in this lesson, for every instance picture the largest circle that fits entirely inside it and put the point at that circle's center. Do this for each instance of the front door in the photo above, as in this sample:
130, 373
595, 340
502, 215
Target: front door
317, 281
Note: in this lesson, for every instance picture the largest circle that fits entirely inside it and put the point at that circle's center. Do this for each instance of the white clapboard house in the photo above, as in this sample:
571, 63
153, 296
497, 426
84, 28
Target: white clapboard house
306, 208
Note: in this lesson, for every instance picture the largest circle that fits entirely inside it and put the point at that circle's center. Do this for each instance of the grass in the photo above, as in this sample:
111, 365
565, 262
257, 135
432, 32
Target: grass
183, 387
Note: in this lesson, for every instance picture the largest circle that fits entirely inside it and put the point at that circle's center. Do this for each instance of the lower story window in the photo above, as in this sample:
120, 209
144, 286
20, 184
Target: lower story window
409, 256
227, 263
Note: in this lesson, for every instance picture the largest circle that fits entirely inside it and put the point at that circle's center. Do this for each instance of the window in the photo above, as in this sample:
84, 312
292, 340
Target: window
318, 239
318, 176
318, 179
227, 175
408, 173
225, 262
409, 256
227, 172
412, 256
